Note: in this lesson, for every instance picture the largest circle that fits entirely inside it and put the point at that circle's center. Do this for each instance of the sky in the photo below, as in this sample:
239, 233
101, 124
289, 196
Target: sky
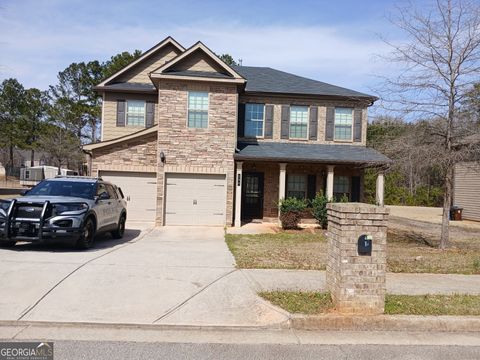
333, 41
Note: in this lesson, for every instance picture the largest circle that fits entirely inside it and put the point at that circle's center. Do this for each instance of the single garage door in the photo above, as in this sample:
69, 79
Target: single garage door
195, 199
140, 190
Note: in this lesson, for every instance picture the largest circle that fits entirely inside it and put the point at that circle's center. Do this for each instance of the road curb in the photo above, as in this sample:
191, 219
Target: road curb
386, 323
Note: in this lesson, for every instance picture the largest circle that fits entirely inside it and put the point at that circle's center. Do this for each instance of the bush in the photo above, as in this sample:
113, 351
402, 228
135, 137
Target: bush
291, 210
319, 209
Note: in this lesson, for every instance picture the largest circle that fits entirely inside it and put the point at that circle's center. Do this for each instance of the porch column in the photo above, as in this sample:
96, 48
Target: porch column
238, 195
380, 189
282, 182
330, 175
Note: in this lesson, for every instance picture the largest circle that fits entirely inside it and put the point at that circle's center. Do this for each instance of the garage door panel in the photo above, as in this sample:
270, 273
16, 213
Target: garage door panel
140, 188
195, 199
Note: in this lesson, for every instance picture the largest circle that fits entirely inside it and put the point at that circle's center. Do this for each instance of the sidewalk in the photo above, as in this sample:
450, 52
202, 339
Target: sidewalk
397, 283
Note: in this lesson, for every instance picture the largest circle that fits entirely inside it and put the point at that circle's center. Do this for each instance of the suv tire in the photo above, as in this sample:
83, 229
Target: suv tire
118, 233
88, 235
7, 244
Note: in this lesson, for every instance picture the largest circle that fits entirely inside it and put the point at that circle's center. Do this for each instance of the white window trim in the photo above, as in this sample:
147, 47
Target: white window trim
334, 124
144, 114
290, 123
188, 109
245, 122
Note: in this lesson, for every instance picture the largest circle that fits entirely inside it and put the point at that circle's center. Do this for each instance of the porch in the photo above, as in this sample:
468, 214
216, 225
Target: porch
269, 172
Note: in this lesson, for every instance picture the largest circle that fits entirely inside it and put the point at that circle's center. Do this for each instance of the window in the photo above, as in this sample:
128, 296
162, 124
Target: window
135, 113
197, 109
297, 186
341, 187
254, 120
343, 123
111, 192
298, 122
102, 189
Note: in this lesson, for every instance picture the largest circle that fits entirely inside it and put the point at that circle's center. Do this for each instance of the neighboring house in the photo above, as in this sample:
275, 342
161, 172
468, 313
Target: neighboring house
193, 141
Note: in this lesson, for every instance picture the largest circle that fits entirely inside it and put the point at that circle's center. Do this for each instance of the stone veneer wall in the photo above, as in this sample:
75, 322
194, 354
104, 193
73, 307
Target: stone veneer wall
139, 154
189, 150
356, 283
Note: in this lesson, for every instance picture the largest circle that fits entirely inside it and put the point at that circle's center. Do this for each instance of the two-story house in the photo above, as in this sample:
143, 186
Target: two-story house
193, 141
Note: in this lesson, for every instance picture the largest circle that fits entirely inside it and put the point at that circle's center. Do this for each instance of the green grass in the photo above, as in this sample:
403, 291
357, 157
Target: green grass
285, 250
315, 303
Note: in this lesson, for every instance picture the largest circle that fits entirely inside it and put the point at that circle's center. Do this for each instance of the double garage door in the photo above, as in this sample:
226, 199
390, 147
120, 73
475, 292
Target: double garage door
190, 199
195, 199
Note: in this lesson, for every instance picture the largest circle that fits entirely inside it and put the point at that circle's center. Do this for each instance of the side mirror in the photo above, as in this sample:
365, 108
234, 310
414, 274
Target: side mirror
103, 196
24, 192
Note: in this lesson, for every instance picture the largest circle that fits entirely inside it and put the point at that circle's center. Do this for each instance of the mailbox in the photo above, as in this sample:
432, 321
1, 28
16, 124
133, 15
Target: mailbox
365, 245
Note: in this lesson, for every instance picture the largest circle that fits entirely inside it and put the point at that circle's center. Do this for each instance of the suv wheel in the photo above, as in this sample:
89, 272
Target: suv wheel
118, 234
88, 235
7, 244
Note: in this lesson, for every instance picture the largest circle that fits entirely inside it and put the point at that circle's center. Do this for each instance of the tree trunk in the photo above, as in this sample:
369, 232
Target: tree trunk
10, 150
447, 201
32, 158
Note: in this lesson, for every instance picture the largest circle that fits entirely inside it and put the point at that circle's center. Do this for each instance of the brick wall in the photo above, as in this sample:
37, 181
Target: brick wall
190, 150
139, 154
356, 283
322, 113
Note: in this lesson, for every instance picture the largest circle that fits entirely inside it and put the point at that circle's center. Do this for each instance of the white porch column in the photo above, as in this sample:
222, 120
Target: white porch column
330, 174
238, 195
282, 181
380, 189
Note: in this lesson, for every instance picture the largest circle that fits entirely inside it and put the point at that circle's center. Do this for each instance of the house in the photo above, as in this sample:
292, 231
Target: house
193, 141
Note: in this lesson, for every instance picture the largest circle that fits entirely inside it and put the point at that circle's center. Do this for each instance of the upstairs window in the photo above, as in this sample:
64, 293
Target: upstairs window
135, 113
254, 116
197, 109
298, 122
343, 124
297, 186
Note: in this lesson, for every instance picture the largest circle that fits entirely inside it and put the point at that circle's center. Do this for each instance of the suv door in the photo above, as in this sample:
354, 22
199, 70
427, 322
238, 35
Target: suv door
116, 206
103, 206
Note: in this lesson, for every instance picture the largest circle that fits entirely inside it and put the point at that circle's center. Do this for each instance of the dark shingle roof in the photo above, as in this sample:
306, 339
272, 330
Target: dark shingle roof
320, 153
125, 86
198, 74
268, 80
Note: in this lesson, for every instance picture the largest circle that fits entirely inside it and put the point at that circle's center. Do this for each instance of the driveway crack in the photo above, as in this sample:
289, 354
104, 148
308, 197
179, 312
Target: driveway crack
176, 307
30, 308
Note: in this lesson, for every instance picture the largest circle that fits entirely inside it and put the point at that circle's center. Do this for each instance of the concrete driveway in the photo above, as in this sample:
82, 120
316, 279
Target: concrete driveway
169, 275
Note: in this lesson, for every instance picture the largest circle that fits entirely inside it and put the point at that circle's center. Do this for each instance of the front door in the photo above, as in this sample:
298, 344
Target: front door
252, 197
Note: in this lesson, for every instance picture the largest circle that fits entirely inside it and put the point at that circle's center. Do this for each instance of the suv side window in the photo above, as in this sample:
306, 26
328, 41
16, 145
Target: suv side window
101, 189
111, 191
119, 192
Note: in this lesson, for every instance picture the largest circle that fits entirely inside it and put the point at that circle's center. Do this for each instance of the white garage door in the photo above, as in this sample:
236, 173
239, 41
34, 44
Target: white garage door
195, 199
140, 190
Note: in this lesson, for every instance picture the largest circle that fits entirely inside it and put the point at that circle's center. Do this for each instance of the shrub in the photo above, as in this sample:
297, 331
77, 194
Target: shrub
319, 209
291, 210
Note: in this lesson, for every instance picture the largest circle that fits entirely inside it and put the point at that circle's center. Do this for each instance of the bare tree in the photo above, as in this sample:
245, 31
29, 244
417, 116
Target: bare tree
440, 63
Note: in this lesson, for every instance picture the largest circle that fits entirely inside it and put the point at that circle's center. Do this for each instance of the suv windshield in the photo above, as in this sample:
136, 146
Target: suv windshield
84, 190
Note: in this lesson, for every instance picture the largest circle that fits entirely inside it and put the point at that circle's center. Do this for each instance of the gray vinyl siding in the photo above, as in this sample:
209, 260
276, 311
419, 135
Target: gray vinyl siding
467, 189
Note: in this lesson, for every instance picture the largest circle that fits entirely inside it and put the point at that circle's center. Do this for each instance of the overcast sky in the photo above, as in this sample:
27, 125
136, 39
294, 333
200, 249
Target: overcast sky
331, 41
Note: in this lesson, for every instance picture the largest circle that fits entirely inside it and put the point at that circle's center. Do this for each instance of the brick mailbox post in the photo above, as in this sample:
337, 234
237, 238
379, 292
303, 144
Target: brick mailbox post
356, 257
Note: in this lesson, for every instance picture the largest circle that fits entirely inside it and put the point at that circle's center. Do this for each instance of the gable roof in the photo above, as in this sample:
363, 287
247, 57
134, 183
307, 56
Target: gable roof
167, 41
319, 153
167, 70
101, 144
268, 80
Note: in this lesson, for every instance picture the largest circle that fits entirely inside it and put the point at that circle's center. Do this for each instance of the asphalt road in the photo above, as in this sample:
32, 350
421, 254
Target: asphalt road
133, 350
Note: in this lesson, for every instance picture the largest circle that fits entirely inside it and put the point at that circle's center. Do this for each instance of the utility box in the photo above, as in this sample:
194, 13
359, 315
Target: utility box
356, 263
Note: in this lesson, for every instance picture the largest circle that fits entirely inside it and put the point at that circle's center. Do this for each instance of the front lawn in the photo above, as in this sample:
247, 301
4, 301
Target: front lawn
315, 303
284, 250
406, 252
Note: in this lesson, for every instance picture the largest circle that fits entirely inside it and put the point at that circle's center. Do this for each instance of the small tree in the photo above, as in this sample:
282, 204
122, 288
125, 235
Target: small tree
291, 210
319, 209
440, 63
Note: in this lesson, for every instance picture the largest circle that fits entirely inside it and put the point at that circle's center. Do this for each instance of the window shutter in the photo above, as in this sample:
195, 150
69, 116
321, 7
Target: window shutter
311, 187
150, 114
357, 125
330, 123
241, 120
313, 126
120, 112
268, 122
355, 195
285, 126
